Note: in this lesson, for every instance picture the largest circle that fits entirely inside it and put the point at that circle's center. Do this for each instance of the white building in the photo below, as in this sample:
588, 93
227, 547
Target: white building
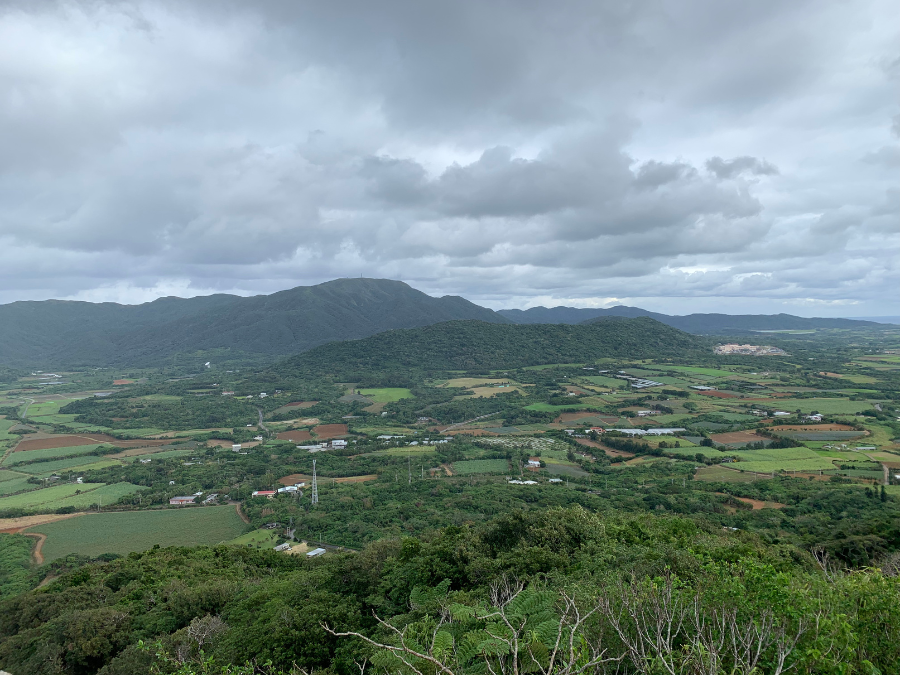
315, 553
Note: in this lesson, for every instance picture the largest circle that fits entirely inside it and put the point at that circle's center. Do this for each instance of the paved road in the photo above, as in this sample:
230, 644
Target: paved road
261, 425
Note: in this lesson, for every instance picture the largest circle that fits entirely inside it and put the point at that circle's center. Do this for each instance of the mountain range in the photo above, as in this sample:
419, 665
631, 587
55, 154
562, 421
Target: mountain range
59, 333
701, 324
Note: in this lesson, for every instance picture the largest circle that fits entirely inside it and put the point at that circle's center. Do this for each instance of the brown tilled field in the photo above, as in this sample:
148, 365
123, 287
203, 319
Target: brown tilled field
736, 437
55, 442
331, 430
301, 404
295, 436
717, 394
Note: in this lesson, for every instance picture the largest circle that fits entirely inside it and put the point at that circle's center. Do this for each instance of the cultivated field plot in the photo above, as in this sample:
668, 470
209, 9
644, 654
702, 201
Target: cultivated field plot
105, 495
472, 466
69, 464
20, 457
17, 484
826, 406
822, 435
10, 475
39, 498
386, 394
256, 539
330, 430
738, 438
817, 464
49, 442
533, 443
123, 533
565, 469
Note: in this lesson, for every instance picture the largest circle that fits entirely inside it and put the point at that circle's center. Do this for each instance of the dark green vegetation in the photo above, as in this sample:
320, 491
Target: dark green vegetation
57, 334
239, 605
16, 572
474, 345
737, 519
701, 324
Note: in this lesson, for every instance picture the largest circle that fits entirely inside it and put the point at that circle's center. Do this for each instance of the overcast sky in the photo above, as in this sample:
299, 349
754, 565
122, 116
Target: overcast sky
676, 155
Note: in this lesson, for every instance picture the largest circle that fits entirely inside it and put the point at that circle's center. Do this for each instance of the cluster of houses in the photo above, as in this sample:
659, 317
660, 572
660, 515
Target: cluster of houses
751, 350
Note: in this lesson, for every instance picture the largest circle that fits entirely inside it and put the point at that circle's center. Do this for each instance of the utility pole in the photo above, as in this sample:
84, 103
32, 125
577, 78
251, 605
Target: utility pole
315, 487
409, 467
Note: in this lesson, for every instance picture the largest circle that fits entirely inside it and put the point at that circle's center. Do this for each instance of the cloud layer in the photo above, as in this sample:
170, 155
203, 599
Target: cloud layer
689, 156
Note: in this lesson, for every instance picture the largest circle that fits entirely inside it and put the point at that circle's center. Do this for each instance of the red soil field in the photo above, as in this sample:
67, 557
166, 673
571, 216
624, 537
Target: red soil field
295, 436
736, 437
123, 381
54, 442
331, 430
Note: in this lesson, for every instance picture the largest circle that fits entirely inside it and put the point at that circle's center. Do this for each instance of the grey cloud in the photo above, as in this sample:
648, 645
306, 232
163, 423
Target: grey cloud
499, 150
727, 169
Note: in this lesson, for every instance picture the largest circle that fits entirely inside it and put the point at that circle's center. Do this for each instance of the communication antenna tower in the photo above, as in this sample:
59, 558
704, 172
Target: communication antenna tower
315, 487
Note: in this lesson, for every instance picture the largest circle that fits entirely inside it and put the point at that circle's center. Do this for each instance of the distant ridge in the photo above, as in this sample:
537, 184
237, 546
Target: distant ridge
56, 333
699, 324
476, 345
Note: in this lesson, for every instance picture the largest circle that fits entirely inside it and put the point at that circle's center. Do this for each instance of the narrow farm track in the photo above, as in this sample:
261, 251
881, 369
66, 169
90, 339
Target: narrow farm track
36, 554
237, 507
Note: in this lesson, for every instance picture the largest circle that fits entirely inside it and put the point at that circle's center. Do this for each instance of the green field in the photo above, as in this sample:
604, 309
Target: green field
386, 394
826, 406
256, 539
72, 465
137, 433
50, 453
52, 419
6, 475
8, 487
106, 495
5, 426
471, 466
817, 464
123, 533
40, 498
66, 464
603, 381
775, 454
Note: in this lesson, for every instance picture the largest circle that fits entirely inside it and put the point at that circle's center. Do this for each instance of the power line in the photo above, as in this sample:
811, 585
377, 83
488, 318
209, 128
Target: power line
315, 487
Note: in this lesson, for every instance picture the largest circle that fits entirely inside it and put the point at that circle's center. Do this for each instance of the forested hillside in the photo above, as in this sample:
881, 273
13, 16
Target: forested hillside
557, 591
475, 345
54, 334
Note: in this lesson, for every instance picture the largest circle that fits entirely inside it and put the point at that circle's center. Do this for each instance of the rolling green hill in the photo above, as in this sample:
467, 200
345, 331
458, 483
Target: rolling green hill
56, 333
476, 345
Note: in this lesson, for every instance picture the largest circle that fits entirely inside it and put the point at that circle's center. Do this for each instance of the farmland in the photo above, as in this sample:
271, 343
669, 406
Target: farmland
67, 464
386, 395
22, 457
125, 532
